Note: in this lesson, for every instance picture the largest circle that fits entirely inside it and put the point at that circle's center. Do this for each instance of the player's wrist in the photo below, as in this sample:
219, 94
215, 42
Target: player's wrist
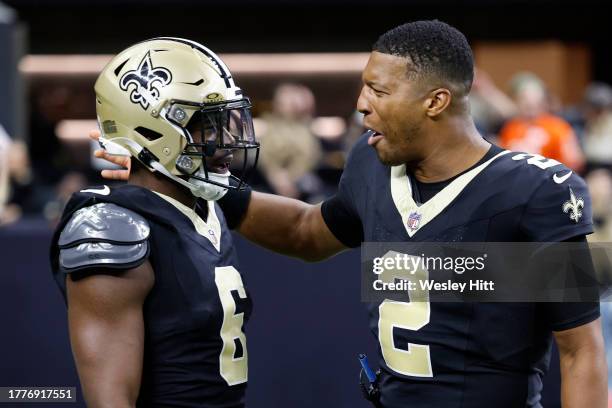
235, 204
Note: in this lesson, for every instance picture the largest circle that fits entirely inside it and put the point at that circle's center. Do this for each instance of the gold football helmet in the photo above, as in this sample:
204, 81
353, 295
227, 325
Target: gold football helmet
152, 97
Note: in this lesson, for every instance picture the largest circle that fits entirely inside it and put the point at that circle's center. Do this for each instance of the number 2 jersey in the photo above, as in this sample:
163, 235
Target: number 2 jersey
470, 354
195, 350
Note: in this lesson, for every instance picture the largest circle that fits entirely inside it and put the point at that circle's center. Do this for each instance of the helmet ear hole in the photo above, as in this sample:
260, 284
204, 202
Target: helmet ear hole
148, 134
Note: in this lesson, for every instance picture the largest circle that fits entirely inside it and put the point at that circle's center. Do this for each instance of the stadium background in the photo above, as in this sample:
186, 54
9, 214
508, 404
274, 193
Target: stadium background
308, 324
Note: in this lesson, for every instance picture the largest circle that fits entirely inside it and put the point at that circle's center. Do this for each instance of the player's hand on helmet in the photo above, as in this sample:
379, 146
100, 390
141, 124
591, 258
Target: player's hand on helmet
123, 161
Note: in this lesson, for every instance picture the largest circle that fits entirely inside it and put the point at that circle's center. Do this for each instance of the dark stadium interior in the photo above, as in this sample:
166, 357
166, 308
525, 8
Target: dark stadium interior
303, 26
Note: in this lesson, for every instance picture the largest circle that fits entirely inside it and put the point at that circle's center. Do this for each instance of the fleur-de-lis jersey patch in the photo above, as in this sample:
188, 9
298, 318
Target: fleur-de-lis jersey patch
573, 206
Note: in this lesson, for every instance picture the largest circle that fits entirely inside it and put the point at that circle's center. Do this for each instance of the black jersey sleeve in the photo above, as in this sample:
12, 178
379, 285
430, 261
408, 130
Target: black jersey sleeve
342, 221
568, 315
559, 209
341, 212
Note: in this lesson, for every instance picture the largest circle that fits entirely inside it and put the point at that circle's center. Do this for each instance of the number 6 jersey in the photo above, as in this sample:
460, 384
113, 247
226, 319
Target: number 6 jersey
195, 349
470, 354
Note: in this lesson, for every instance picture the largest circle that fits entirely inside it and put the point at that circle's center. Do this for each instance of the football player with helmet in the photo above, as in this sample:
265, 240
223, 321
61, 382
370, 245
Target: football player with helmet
156, 302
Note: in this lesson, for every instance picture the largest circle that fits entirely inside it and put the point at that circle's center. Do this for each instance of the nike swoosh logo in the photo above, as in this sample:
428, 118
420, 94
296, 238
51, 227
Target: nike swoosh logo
101, 191
561, 179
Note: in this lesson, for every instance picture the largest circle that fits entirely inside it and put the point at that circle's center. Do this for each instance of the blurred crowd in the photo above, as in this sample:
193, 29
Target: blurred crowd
531, 119
302, 155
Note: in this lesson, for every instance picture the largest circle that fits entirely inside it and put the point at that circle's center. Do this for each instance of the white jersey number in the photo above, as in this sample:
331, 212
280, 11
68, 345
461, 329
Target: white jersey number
536, 160
414, 315
233, 370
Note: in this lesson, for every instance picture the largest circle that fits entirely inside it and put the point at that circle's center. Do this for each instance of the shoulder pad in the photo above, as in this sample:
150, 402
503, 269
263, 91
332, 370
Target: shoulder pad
102, 254
104, 222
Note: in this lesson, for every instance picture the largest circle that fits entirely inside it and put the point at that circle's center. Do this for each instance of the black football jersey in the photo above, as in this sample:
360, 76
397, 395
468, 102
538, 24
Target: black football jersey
464, 354
195, 348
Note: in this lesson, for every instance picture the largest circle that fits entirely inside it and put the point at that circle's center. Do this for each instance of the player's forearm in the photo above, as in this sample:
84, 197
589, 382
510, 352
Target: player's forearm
583, 379
286, 226
107, 381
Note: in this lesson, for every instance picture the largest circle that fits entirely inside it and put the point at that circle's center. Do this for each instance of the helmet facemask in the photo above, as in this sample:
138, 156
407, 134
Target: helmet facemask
214, 132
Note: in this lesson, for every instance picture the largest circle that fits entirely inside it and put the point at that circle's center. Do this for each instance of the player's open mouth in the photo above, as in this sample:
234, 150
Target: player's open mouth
374, 137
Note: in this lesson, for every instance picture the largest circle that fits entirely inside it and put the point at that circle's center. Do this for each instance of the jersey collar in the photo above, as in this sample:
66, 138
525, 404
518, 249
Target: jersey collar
210, 230
415, 216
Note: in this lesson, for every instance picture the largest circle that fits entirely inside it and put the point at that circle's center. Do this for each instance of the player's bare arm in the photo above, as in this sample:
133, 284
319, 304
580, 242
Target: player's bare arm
107, 334
583, 366
290, 227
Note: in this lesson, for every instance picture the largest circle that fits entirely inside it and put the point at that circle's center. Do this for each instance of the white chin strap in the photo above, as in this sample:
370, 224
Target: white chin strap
209, 191
198, 188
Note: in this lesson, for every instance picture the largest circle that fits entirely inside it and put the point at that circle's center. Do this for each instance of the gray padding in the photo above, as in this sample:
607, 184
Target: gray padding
104, 222
102, 254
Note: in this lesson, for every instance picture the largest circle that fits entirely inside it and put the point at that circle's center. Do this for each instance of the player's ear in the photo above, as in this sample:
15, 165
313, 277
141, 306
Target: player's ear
437, 101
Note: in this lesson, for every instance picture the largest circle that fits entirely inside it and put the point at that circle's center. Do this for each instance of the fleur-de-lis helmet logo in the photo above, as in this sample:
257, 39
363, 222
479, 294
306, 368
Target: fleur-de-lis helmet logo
573, 207
143, 83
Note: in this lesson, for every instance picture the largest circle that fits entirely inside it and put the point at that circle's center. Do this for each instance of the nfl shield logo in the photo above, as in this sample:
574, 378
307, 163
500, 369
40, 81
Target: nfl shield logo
414, 219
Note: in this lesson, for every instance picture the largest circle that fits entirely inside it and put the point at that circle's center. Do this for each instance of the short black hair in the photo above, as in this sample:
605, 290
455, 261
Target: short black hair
434, 49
